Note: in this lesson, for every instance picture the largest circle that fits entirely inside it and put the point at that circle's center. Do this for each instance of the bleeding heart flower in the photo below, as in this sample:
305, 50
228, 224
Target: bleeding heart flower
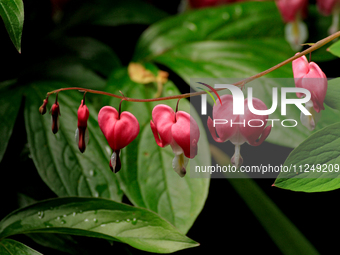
82, 133
328, 7
310, 76
290, 9
119, 130
179, 130
238, 128
292, 12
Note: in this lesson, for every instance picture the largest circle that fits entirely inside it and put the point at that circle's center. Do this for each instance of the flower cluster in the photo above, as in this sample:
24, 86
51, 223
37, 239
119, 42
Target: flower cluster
177, 129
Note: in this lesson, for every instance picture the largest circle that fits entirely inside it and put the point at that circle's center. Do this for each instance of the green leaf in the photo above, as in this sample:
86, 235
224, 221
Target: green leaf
11, 247
60, 242
101, 218
93, 54
311, 167
67, 71
57, 157
335, 49
282, 231
333, 94
12, 13
65, 243
10, 102
147, 177
231, 22
114, 13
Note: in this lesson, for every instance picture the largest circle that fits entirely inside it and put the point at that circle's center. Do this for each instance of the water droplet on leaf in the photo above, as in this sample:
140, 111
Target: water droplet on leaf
134, 221
41, 215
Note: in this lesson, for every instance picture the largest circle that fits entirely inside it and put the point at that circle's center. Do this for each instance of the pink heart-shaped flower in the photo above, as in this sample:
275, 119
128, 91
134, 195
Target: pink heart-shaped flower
118, 131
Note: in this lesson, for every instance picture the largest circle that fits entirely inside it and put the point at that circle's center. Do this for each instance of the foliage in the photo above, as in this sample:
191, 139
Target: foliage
146, 205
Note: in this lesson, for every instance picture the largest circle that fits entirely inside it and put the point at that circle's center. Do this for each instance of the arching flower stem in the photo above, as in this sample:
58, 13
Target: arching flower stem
241, 83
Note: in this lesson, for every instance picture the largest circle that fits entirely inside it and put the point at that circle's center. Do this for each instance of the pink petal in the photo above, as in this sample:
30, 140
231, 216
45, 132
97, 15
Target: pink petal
186, 133
251, 134
300, 69
118, 132
163, 117
316, 82
326, 6
225, 112
289, 9
213, 132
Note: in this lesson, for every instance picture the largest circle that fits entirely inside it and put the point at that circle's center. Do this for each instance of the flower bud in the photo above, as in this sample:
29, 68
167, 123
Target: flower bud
42, 108
179, 130
82, 136
55, 112
250, 128
119, 130
310, 76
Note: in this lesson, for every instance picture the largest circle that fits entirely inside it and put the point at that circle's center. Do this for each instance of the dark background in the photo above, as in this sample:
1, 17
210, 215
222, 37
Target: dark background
226, 225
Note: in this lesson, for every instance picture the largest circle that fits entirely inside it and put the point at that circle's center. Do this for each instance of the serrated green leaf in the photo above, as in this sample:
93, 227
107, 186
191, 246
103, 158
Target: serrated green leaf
57, 157
12, 13
11, 247
314, 165
147, 177
10, 102
101, 218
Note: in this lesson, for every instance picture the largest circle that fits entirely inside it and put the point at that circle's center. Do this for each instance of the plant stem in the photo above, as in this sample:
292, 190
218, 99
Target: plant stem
241, 83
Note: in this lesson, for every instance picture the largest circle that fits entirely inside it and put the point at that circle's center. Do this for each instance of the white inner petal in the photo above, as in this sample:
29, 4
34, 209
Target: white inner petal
113, 160
179, 164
